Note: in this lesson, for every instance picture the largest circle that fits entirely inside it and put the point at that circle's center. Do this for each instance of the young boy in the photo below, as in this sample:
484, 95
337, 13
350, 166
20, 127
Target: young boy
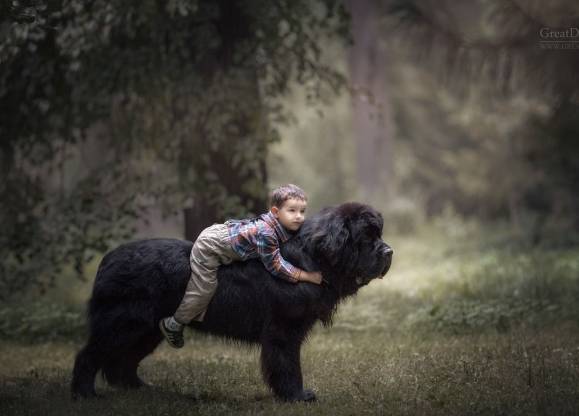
240, 240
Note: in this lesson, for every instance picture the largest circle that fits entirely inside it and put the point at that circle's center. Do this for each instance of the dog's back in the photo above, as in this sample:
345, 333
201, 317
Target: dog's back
155, 271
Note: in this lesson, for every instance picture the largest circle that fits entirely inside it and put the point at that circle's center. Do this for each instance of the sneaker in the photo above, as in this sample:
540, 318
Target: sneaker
174, 337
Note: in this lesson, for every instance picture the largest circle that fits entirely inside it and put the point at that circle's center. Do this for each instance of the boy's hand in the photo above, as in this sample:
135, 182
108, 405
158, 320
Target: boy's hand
312, 277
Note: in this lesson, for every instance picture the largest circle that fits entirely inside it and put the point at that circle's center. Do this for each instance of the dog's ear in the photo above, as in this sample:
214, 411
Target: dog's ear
331, 239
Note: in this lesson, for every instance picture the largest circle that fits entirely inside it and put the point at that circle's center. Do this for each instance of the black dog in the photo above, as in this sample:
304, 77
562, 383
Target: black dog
139, 283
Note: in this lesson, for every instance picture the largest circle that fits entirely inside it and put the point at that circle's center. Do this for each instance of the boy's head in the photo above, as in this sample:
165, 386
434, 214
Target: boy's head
288, 205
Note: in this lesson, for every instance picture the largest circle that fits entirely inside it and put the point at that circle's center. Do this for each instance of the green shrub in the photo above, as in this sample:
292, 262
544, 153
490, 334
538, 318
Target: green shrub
41, 321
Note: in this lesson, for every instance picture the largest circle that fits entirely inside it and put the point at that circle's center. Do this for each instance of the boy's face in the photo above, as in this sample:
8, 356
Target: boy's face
291, 214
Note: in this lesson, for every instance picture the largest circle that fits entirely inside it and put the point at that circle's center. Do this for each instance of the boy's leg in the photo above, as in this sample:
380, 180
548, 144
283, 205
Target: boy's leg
211, 249
200, 289
172, 331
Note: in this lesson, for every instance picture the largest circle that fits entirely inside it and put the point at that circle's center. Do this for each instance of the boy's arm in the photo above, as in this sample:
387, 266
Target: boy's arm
269, 253
312, 277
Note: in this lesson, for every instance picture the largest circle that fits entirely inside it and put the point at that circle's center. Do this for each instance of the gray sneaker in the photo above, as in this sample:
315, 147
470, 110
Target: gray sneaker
174, 337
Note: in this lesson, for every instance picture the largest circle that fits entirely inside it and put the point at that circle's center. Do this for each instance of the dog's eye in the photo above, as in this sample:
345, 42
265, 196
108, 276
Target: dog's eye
366, 242
372, 232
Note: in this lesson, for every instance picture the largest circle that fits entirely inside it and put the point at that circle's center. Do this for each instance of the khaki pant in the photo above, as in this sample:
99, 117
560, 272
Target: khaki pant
211, 249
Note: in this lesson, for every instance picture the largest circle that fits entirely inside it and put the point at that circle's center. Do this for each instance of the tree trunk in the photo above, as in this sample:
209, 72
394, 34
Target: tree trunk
371, 112
243, 139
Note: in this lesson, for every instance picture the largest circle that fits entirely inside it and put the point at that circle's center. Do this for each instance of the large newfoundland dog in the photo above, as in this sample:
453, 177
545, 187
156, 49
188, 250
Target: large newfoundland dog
141, 282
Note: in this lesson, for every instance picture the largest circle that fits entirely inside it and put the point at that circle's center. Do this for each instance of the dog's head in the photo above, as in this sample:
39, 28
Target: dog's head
346, 241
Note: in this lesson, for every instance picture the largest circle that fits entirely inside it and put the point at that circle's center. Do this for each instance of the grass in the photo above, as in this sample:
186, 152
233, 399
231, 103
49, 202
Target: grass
459, 327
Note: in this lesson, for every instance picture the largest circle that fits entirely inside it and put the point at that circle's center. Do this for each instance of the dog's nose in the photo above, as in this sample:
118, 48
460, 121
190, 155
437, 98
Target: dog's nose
387, 250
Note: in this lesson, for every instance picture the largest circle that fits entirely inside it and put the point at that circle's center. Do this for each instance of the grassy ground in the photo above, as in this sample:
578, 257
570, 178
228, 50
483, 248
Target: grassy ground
459, 327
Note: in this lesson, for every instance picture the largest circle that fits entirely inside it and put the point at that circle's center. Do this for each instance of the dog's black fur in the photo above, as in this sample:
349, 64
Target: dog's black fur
141, 282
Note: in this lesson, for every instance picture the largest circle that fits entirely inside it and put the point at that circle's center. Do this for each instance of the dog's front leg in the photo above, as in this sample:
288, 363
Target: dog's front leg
280, 365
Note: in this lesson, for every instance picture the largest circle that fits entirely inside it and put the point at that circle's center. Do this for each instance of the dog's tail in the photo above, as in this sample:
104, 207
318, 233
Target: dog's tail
86, 366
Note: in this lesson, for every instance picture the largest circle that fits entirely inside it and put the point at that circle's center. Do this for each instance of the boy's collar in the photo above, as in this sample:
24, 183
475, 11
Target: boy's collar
280, 230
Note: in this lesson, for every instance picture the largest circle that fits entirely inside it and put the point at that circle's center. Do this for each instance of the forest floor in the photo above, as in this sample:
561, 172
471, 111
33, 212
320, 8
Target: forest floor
460, 326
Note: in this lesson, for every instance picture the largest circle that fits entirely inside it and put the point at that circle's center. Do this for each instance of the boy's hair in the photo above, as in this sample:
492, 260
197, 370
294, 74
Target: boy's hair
285, 192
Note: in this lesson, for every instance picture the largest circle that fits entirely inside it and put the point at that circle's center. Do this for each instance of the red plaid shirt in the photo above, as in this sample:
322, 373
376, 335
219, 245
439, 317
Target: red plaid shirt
260, 238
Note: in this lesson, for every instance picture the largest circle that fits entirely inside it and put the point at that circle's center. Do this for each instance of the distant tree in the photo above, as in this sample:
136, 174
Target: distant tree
108, 106
515, 142
370, 102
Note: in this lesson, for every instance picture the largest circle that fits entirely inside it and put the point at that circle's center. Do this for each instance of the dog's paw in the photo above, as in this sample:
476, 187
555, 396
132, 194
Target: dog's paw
305, 395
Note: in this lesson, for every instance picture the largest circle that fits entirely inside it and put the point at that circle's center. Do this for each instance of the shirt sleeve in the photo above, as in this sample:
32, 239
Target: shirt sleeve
269, 253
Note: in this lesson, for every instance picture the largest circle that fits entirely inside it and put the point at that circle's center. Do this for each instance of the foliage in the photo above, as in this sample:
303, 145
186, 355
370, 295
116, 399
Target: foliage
552, 156
110, 107
41, 322
483, 112
488, 283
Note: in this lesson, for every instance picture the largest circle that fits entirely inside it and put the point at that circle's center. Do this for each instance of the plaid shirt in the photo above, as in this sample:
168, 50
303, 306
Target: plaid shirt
260, 238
